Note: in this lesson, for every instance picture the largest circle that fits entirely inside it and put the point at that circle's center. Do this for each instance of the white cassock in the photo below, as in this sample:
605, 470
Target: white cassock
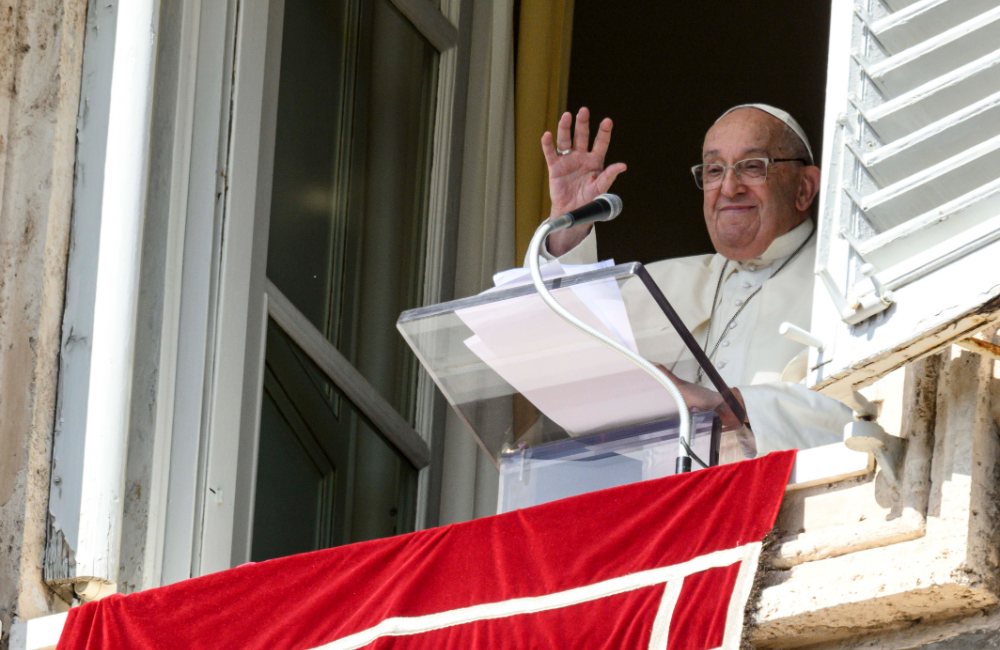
768, 368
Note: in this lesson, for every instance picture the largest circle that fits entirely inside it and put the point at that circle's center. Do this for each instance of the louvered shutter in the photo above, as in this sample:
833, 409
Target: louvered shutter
909, 229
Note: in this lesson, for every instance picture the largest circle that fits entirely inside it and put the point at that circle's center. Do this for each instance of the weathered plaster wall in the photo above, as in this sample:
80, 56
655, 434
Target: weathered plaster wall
41, 50
932, 559
981, 631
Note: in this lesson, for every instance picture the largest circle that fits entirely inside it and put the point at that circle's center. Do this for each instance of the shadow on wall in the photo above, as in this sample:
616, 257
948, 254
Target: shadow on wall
664, 71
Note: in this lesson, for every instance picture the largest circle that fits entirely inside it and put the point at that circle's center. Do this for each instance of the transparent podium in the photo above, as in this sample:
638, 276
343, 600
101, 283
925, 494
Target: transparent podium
558, 412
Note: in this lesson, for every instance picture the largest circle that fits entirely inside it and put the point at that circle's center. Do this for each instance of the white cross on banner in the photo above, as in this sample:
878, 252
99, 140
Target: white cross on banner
666, 564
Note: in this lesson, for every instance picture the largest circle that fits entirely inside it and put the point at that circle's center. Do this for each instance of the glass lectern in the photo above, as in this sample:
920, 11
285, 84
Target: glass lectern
559, 413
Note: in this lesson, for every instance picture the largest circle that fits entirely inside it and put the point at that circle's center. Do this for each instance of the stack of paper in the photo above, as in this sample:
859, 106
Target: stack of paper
577, 382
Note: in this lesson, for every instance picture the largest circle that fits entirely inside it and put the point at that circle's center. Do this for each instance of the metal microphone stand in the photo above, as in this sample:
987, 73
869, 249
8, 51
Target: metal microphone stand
534, 250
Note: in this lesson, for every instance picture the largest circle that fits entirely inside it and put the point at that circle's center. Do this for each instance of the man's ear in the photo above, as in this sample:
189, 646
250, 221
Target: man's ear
808, 188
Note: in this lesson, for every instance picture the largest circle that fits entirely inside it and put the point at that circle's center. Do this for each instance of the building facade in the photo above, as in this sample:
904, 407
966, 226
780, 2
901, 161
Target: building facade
212, 213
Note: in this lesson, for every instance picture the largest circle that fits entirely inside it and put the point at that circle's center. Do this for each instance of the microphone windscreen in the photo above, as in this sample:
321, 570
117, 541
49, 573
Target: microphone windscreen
616, 204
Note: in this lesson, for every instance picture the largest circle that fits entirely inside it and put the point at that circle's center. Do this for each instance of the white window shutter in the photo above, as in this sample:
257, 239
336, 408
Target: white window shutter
908, 258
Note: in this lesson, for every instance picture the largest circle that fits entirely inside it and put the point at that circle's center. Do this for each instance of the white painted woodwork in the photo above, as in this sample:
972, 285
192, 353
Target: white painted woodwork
69, 430
117, 293
439, 27
187, 395
429, 21
346, 377
910, 186
921, 20
443, 191
217, 490
941, 236
932, 186
246, 438
935, 100
170, 337
928, 59
899, 5
932, 144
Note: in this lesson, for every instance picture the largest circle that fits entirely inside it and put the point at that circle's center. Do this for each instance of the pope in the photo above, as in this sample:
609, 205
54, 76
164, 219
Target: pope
759, 181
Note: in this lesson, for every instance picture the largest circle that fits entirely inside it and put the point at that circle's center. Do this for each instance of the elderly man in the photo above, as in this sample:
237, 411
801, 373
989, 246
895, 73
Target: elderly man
759, 182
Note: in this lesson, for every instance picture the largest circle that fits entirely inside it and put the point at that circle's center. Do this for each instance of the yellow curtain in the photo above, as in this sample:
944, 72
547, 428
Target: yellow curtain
544, 35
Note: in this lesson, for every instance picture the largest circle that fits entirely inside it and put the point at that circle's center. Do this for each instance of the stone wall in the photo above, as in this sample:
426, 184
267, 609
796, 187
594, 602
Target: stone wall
900, 565
41, 51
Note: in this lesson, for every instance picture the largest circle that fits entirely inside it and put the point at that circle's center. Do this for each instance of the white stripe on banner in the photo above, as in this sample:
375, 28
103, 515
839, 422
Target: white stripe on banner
661, 625
738, 601
403, 626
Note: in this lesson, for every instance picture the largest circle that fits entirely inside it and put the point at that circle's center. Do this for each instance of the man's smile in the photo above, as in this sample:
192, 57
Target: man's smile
739, 207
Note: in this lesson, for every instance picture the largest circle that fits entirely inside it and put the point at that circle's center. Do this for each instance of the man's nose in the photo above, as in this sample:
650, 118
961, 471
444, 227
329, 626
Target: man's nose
731, 183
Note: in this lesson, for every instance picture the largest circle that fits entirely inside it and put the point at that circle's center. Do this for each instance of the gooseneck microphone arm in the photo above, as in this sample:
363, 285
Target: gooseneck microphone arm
605, 208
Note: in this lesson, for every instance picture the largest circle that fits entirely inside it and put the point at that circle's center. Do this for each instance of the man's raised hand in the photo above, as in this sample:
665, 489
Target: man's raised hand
576, 173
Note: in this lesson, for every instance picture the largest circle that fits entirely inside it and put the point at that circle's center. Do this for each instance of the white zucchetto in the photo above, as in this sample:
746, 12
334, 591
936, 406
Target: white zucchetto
784, 116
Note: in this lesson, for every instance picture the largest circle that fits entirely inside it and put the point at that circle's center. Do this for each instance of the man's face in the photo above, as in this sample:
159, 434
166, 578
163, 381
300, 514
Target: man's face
743, 219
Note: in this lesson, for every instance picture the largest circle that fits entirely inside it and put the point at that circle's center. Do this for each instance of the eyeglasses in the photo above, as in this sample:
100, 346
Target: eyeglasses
752, 171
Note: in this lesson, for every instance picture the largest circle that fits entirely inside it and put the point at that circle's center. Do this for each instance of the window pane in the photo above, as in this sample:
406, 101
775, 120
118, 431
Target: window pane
324, 476
351, 172
312, 144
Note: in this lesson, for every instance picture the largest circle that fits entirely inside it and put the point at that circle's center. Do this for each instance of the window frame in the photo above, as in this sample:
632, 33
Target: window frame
244, 300
954, 273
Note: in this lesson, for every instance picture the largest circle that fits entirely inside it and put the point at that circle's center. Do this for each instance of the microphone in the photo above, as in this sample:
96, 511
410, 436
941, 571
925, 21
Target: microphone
604, 208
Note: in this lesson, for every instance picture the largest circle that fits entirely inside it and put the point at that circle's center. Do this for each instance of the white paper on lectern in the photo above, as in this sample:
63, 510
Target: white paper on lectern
580, 384
552, 269
603, 298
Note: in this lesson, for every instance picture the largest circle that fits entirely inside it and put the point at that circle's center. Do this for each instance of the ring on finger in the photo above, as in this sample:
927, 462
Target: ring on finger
563, 152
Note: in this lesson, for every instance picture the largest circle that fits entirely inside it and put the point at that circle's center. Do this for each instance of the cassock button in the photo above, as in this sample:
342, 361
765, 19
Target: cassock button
725, 344
746, 285
732, 325
752, 267
738, 302
720, 365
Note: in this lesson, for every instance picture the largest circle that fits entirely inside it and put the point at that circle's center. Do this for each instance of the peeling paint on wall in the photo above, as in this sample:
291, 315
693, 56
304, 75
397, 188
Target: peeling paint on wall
41, 51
